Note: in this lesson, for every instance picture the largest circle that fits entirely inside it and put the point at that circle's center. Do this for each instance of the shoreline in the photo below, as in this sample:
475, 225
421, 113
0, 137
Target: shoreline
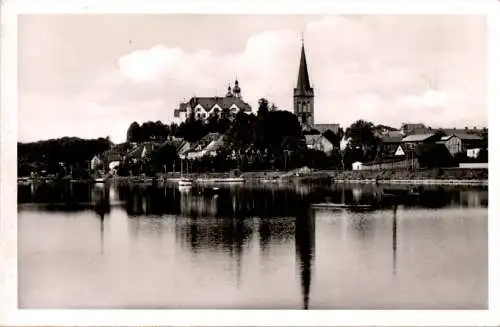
414, 181
445, 176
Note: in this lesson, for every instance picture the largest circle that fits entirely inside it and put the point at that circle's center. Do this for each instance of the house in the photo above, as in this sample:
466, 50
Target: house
384, 130
357, 165
95, 163
141, 151
325, 127
473, 153
457, 143
476, 131
204, 107
411, 141
320, 143
389, 145
210, 144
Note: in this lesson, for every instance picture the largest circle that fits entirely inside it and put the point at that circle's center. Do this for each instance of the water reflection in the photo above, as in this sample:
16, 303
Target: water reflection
394, 238
304, 246
207, 222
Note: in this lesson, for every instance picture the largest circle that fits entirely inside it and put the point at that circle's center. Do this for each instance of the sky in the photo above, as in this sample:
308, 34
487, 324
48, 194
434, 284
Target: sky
93, 75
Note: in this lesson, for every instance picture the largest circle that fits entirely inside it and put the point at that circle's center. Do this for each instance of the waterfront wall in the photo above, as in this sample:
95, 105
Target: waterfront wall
428, 176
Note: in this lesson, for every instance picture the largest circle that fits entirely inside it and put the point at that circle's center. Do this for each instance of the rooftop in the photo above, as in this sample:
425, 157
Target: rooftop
417, 137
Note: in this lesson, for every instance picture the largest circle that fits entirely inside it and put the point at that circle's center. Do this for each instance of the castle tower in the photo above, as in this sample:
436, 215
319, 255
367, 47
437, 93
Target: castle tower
229, 94
303, 94
237, 89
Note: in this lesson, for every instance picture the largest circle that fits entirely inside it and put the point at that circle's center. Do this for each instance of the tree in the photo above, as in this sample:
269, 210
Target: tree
334, 138
362, 136
163, 157
278, 125
192, 130
133, 132
434, 155
263, 110
52, 155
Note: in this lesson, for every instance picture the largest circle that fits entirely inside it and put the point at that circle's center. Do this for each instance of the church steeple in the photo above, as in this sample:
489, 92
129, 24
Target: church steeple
303, 78
303, 94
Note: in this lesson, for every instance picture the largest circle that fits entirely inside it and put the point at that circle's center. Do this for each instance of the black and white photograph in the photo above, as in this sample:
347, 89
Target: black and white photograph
266, 161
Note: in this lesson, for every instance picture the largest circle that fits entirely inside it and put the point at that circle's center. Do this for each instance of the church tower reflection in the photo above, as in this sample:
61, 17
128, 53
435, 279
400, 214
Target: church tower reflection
394, 238
305, 239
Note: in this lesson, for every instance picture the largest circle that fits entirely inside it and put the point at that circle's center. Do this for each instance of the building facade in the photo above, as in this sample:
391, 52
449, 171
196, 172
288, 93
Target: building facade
204, 107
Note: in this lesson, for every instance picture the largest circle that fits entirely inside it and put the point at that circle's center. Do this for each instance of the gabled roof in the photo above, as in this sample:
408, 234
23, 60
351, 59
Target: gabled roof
392, 139
145, 148
205, 141
462, 136
389, 128
312, 139
467, 136
324, 127
207, 103
446, 138
417, 137
413, 125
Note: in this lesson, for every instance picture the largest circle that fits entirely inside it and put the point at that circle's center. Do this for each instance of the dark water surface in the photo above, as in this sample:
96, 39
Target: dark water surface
250, 246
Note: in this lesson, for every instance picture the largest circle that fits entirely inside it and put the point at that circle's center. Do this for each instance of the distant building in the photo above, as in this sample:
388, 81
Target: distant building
411, 141
204, 107
95, 163
141, 151
457, 143
335, 128
385, 130
389, 145
473, 153
357, 165
412, 128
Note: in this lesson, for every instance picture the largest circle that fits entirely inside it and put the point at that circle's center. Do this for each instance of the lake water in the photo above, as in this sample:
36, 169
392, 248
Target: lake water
250, 246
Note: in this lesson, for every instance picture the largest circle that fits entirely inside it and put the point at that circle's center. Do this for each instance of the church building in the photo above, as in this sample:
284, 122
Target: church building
303, 100
204, 107
303, 94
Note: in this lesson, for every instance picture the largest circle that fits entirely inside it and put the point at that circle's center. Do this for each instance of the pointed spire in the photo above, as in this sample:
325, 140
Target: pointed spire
303, 78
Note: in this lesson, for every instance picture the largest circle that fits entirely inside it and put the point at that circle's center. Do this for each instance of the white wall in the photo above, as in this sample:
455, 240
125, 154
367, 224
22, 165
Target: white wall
474, 165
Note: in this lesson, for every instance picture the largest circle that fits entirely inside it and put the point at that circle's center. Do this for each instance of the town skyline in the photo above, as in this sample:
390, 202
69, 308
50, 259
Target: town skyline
385, 69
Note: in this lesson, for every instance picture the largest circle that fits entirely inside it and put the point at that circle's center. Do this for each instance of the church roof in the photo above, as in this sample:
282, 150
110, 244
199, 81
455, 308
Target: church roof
324, 127
303, 83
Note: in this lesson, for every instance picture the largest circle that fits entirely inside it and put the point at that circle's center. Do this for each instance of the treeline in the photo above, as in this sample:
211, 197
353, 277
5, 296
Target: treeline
59, 156
269, 139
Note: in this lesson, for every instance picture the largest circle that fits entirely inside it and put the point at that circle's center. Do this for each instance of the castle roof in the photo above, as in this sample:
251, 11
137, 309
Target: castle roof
207, 103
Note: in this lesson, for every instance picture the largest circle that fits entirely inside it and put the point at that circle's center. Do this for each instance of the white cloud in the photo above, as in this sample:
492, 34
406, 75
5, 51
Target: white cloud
385, 69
